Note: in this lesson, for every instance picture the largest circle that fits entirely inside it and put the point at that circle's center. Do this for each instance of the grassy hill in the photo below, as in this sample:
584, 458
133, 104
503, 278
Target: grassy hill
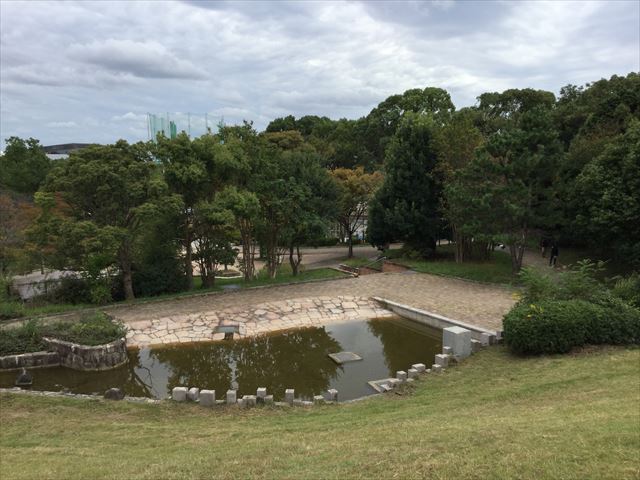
494, 416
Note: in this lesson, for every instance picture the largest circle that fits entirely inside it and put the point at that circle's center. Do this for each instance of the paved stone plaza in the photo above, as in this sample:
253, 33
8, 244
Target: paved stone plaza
318, 303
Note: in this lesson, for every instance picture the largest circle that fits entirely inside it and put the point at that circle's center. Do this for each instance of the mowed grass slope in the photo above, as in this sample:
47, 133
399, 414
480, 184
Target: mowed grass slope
494, 416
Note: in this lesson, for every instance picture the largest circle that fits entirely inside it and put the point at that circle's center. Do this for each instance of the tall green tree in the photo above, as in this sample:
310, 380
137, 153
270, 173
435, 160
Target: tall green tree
355, 192
108, 191
406, 207
606, 199
23, 165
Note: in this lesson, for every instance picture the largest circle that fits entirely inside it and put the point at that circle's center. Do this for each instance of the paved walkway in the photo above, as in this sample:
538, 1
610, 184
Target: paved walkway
482, 305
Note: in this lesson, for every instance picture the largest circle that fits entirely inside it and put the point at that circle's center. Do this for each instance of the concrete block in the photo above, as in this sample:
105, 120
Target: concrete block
249, 400
207, 398
260, 394
268, 400
485, 339
447, 350
428, 370
436, 368
401, 375
332, 395
420, 367
459, 339
289, 395
476, 345
442, 360
318, 399
232, 397
179, 394
193, 394
298, 402
412, 373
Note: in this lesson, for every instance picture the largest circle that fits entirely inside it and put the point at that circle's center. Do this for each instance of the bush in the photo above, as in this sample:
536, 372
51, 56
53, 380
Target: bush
24, 339
71, 290
556, 326
323, 242
9, 310
628, 290
92, 329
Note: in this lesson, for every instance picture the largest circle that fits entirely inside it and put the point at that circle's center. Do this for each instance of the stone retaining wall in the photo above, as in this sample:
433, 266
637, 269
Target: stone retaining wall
29, 360
435, 320
84, 357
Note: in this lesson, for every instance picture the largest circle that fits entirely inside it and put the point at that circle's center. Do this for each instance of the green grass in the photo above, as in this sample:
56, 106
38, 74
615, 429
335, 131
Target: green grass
495, 416
495, 270
15, 310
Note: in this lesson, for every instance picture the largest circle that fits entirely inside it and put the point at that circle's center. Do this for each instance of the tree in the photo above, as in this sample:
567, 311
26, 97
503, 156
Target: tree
16, 214
196, 170
406, 206
457, 142
108, 190
508, 187
606, 198
355, 190
24, 165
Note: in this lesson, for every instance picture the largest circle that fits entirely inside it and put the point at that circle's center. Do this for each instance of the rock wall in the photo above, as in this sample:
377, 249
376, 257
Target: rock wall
30, 360
84, 357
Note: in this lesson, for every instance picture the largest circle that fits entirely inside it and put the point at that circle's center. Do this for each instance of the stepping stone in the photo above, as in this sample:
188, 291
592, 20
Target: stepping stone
344, 357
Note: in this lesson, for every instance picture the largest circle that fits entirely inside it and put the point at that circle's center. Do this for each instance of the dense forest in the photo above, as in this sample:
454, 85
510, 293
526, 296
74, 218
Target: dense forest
518, 166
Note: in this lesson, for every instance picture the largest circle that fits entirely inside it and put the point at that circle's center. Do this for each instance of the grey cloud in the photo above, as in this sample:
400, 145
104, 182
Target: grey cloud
147, 59
104, 65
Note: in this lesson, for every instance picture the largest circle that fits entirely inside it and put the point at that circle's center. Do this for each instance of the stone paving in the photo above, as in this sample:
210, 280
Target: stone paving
260, 318
193, 318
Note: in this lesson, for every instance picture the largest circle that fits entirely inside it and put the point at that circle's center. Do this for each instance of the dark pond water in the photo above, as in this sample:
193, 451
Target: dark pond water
292, 359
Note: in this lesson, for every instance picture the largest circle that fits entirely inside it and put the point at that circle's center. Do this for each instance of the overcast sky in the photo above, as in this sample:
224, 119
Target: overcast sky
90, 72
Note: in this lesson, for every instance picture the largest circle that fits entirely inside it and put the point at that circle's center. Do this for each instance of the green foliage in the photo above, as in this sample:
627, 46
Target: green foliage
24, 165
557, 326
27, 338
91, 329
606, 198
406, 206
628, 289
71, 290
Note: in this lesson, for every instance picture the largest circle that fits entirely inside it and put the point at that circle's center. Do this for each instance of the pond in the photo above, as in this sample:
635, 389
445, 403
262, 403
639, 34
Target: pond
289, 359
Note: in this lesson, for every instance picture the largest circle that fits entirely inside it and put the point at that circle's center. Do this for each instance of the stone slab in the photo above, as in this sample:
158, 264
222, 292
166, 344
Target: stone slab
344, 357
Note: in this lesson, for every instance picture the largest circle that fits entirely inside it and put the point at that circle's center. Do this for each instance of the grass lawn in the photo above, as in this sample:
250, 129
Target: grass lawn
285, 276
495, 270
494, 416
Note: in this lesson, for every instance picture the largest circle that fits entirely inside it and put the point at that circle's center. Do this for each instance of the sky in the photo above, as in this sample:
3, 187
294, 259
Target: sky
91, 71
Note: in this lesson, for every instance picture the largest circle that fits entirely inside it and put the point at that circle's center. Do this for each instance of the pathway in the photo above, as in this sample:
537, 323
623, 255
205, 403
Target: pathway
479, 304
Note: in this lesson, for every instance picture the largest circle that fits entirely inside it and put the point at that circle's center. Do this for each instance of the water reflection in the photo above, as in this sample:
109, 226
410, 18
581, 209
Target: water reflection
293, 359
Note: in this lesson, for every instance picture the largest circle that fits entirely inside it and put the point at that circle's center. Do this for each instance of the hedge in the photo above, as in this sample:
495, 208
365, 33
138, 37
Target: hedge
557, 326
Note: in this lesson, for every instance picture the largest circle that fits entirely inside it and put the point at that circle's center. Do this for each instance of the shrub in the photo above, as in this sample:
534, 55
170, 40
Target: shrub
70, 290
92, 329
628, 289
24, 339
556, 326
9, 310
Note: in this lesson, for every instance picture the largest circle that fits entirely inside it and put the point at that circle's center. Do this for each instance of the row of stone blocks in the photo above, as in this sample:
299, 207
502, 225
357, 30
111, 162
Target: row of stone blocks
457, 344
207, 398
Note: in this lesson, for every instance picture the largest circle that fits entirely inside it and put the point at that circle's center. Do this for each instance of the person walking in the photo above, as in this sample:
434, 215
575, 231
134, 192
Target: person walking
553, 258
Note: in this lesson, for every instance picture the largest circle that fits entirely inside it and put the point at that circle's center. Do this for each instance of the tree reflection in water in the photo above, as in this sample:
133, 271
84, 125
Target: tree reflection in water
400, 348
294, 359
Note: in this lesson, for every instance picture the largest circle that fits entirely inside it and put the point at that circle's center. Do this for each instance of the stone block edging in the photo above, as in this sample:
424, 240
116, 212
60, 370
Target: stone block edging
29, 360
433, 319
90, 358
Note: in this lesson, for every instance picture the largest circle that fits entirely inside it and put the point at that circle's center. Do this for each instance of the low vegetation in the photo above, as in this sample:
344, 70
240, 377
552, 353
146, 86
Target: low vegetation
494, 416
572, 309
92, 329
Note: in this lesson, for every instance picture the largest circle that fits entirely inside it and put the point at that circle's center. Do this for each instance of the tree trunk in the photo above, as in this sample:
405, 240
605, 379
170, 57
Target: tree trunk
350, 247
292, 262
127, 276
188, 267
